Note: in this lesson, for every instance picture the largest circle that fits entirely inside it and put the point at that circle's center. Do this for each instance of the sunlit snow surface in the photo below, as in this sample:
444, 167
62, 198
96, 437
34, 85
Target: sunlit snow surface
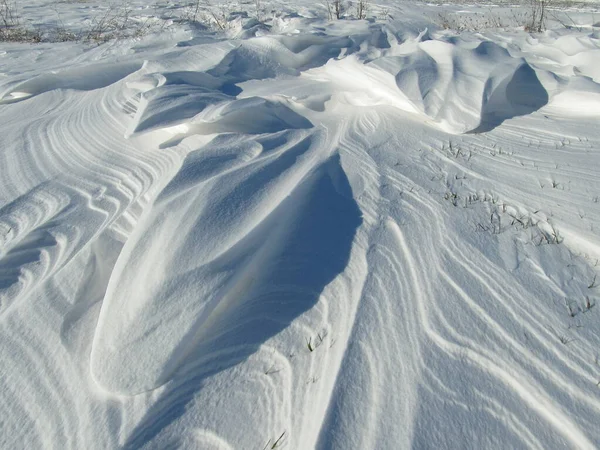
332, 235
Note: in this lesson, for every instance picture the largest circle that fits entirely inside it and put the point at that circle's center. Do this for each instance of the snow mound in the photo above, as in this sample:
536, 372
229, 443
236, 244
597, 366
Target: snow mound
464, 89
218, 283
84, 79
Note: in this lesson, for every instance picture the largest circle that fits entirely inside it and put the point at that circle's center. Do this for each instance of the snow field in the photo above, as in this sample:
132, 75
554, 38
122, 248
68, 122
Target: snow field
348, 234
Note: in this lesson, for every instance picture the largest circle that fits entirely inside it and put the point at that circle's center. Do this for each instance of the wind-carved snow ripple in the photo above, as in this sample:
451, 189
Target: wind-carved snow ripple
94, 177
445, 329
73, 176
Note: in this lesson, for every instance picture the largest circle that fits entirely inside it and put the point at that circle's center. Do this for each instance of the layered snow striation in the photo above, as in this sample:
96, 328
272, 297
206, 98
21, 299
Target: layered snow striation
353, 236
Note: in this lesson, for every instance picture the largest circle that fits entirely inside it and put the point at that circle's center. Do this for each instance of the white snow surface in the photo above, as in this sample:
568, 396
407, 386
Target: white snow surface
301, 233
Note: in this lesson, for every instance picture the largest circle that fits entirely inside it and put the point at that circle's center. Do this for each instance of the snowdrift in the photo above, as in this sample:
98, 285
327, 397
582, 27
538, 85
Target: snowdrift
351, 236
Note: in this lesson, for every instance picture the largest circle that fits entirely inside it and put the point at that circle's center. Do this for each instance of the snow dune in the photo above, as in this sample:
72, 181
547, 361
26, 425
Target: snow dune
354, 236
84, 79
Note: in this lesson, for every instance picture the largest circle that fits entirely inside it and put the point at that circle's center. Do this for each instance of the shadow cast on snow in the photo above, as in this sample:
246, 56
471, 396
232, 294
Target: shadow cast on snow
519, 95
310, 234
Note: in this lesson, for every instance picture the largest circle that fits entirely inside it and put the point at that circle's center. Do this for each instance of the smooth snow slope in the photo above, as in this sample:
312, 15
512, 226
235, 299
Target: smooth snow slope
355, 235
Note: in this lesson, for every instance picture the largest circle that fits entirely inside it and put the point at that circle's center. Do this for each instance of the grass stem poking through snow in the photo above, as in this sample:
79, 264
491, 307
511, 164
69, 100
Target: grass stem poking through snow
565, 339
313, 345
572, 311
272, 370
276, 444
309, 345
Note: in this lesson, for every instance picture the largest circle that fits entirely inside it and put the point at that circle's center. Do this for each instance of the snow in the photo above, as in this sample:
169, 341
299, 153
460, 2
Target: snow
300, 233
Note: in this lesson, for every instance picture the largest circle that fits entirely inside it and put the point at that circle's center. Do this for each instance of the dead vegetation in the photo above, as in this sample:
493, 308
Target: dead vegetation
115, 21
